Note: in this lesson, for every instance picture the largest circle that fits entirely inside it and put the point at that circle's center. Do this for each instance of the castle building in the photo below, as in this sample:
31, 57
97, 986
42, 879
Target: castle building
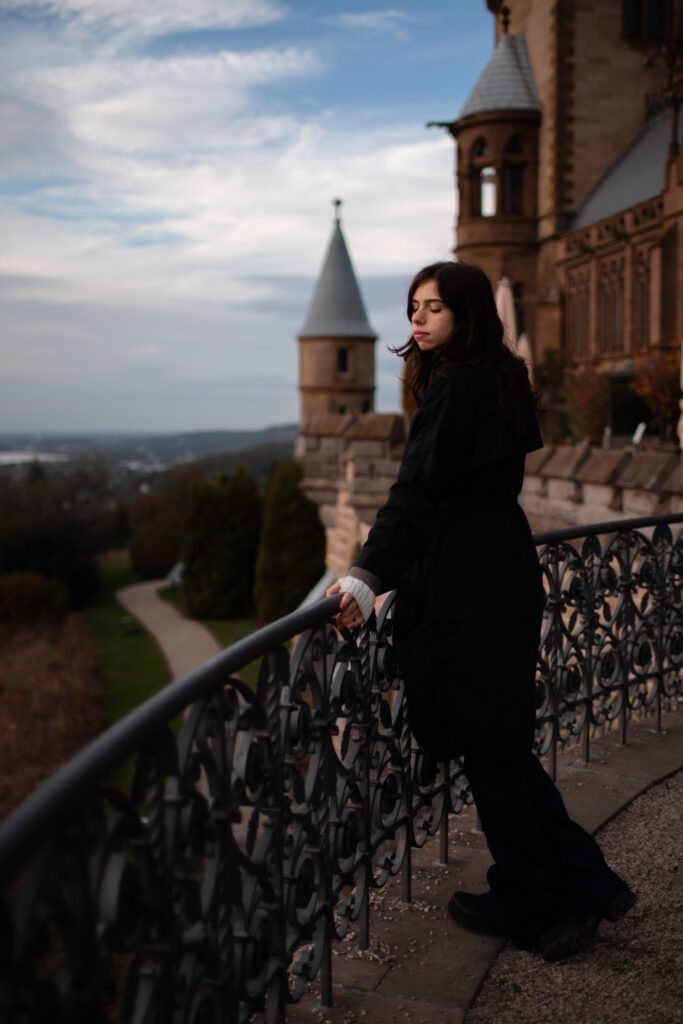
570, 179
569, 172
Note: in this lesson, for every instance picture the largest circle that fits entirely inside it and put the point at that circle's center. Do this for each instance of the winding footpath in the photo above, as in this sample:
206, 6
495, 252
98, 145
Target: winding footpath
185, 644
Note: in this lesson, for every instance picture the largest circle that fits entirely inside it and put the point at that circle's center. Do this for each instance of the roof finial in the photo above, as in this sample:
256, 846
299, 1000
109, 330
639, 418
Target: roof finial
337, 207
505, 17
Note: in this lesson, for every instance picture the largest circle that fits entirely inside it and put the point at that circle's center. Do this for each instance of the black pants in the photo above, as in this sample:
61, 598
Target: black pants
545, 865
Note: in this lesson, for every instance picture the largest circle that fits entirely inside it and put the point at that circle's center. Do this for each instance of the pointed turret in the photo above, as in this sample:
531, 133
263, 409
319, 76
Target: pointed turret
506, 83
336, 342
496, 134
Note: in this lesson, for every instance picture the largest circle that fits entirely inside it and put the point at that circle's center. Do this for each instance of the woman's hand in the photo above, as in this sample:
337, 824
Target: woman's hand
349, 615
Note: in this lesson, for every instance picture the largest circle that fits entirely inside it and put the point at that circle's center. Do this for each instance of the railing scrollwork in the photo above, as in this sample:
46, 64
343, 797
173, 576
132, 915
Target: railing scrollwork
251, 836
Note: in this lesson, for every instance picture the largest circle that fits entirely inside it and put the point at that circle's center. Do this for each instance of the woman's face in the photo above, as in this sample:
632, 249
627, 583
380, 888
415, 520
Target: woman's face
431, 320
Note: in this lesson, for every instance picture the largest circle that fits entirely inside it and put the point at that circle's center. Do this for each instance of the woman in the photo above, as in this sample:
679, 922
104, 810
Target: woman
454, 543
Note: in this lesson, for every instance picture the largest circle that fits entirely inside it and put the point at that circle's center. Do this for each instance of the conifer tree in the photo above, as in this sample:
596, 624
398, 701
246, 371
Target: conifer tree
219, 546
291, 554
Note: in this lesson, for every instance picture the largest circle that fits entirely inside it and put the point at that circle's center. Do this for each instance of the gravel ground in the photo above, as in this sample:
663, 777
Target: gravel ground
633, 974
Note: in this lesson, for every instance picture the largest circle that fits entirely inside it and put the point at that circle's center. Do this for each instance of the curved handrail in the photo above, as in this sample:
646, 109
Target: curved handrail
612, 526
63, 790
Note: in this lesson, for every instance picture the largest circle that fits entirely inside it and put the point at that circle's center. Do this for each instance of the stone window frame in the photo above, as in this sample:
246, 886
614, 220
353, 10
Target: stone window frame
611, 340
481, 166
343, 358
642, 271
579, 302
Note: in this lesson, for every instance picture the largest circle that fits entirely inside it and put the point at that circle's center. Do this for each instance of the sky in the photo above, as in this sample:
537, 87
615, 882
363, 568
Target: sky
167, 171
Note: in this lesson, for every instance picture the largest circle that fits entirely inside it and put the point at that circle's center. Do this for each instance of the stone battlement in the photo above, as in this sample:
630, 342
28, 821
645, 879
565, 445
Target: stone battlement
350, 462
574, 485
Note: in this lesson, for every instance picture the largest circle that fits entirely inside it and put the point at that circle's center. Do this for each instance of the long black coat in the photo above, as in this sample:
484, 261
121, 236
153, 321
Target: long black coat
454, 543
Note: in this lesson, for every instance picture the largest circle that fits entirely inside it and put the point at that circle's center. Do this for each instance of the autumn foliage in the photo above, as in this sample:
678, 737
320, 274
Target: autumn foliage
658, 383
586, 396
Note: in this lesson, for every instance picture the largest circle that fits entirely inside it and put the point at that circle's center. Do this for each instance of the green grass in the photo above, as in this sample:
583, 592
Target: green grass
133, 667
224, 631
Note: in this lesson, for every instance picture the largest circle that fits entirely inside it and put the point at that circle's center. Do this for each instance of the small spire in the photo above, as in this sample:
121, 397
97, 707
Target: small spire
505, 17
337, 207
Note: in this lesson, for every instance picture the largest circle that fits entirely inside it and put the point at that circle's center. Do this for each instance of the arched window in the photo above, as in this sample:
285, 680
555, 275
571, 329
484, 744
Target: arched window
480, 149
513, 176
578, 309
487, 191
483, 180
612, 306
641, 300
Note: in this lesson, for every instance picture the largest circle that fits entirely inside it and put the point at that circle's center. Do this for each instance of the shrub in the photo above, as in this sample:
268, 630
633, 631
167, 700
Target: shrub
27, 599
155, 547
156, 523
54, 524
291, 555
586, 395
658, 383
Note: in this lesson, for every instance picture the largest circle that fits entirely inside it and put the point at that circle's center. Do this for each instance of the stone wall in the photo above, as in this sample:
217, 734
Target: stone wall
575, 485
351, 462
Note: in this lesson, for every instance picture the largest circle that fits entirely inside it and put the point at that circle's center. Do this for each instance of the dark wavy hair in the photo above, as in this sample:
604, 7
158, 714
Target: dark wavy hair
477, 340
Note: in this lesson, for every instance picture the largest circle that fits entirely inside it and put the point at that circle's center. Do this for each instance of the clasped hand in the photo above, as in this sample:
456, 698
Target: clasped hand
349, 615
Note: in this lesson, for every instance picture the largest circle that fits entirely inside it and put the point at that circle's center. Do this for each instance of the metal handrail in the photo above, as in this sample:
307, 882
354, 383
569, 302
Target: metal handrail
220, 877
62, 791
612, 526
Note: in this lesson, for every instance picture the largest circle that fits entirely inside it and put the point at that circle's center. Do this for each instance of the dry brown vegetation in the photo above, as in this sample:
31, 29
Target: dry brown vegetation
50, 704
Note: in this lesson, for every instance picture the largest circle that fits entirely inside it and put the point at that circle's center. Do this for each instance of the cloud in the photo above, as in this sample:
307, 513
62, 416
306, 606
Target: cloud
154, 17
146, 105
35, 141
385, 22
165, 217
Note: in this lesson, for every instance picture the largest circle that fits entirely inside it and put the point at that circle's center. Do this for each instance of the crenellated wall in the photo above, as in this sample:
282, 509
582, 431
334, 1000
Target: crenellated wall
350, 462
574, 485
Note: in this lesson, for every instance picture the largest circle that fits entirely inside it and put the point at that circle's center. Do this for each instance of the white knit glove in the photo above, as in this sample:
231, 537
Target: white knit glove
363, 595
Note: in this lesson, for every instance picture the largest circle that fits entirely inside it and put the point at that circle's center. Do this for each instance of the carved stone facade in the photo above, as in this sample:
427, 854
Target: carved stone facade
570, 175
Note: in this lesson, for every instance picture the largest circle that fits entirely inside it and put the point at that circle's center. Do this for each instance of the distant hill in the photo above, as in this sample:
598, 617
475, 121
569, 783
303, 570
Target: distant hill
257, 460
152, 452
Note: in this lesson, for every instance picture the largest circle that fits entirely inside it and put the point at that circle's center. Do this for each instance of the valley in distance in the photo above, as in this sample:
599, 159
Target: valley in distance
140, 454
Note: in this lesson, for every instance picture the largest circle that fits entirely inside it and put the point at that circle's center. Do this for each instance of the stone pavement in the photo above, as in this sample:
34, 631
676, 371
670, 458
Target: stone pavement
185, 644
422, 968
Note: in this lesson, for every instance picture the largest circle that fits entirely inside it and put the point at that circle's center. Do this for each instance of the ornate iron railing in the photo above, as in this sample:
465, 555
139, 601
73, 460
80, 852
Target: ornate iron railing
249, 841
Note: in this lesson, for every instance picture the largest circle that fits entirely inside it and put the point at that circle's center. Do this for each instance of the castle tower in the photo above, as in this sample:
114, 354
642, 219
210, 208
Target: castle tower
336, 342
496, 134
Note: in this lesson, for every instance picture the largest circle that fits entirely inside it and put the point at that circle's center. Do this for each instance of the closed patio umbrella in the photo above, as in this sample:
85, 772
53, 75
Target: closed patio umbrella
524, 350
505, 304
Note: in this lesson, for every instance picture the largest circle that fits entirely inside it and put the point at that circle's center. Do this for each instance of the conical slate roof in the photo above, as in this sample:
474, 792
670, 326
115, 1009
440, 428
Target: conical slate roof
337, 309
507, 81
